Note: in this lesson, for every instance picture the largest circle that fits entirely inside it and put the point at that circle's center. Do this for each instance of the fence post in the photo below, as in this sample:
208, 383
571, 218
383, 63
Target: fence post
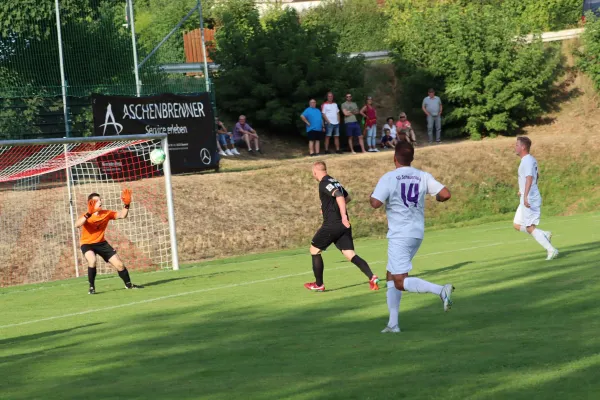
206, 79
63, 80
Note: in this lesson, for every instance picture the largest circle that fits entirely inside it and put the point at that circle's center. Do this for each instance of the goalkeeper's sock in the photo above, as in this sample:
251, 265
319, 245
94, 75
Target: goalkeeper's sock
92, 276
362, 265
124, 274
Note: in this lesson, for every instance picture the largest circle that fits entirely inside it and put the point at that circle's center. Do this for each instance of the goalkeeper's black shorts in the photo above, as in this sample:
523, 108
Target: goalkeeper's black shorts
103, 249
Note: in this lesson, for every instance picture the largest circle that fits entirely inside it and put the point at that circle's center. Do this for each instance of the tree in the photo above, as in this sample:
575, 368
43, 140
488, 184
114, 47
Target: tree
360, 24
589, 58
490, 81
269, 72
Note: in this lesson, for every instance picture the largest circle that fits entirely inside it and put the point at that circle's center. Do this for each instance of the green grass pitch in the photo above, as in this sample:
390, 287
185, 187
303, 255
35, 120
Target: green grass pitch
245, 328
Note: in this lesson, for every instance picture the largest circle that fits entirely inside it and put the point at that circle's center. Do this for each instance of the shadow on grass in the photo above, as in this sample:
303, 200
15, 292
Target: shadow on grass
444, 269
282, 344
42, 335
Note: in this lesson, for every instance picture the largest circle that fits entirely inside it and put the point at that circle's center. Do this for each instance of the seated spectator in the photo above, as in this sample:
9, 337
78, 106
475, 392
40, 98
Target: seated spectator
402, 136
244, 134
392, 128
313, 119
225, 140
403, 123
386, 139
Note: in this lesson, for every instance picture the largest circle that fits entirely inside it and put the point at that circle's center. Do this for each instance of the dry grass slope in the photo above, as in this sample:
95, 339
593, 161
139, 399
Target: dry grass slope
275, 204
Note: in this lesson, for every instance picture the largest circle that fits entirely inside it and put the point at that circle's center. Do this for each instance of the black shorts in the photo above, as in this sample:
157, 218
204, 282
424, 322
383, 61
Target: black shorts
314, 135
103, 249
338, 234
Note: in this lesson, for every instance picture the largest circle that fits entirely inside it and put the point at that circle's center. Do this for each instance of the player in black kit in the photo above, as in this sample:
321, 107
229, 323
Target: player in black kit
335, 229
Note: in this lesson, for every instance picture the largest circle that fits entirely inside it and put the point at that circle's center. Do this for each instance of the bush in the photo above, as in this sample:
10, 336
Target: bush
490, 82
589, 58
532, 15
360, 24
269, 72
546, 15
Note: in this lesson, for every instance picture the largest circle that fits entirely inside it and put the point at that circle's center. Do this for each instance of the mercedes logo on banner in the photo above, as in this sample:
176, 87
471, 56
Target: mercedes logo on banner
205, 156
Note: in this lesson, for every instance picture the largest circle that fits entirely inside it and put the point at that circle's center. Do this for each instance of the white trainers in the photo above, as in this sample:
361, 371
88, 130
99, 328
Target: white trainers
222, 153
552, 254
228, 152
446, 296
235, 152
391, 329
375, 150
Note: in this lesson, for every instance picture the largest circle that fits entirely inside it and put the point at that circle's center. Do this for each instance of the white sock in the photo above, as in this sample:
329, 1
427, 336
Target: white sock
539, 236
393, 301
418, 285
524, 229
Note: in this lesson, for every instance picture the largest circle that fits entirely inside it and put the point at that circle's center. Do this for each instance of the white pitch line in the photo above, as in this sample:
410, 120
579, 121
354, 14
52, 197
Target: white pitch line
171, 296
233, 285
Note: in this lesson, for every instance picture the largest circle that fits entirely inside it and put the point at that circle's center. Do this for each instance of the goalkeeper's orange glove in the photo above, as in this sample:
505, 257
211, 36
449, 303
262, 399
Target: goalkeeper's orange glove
91, 208
126, 197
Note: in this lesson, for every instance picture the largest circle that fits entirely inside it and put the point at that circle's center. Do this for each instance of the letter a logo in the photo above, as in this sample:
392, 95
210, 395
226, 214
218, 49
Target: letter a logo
110, 117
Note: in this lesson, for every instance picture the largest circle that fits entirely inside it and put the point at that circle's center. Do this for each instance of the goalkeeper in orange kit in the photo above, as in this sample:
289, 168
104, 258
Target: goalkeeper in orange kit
93, 225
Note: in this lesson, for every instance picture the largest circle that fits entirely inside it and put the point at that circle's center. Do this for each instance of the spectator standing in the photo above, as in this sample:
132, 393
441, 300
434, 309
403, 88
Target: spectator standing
370, 115
243, 133
391, 127
331, 115
313, 118
432, 107
225, 140
404, 124
350, 110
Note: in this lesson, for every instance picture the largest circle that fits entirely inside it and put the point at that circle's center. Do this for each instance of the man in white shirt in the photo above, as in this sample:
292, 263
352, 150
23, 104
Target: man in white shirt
331, 115
528, 214
403, 193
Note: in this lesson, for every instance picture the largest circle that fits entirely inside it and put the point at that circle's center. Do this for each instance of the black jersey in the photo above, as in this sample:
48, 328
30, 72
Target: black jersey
331, 211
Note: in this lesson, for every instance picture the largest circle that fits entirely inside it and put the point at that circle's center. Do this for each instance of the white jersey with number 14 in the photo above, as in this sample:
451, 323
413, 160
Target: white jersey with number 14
403, 193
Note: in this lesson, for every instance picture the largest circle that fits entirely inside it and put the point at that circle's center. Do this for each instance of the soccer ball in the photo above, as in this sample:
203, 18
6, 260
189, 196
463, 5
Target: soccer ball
157, 156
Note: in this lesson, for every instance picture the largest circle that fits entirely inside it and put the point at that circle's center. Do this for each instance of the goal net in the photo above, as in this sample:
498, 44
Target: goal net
44, 186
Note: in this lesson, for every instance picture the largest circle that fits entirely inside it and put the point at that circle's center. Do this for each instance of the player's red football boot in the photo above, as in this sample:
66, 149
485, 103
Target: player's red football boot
314, 286
373, 283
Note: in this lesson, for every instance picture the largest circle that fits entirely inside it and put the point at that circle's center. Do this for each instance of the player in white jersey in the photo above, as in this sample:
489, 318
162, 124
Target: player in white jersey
528, 214
403, 193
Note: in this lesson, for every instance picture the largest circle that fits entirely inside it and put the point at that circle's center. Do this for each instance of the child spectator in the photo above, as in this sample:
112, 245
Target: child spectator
387, 141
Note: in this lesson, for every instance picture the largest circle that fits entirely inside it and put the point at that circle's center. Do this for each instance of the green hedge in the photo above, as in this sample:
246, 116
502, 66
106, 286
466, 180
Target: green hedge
269, 70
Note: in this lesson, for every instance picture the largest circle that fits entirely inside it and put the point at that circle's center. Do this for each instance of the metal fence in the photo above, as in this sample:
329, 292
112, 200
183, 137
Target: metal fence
63, 51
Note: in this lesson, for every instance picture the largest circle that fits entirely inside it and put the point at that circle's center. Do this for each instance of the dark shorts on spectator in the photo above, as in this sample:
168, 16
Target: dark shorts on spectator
314, 135
353, 129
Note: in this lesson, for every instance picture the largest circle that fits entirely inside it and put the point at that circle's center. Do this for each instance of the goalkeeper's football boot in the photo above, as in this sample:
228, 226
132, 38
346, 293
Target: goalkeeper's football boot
132, 286
374, 283
314, 287
391, 329
446, 296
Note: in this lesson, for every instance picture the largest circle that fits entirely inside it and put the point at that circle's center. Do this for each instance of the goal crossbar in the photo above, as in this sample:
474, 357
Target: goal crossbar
23, 160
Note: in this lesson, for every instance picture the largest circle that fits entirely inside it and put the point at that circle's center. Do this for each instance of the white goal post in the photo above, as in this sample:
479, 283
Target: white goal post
44, 186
